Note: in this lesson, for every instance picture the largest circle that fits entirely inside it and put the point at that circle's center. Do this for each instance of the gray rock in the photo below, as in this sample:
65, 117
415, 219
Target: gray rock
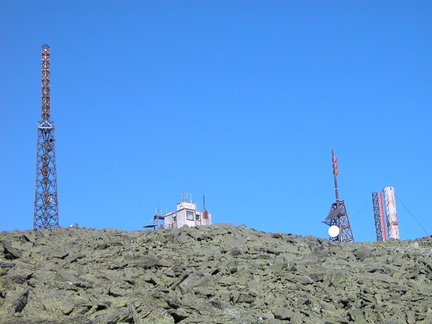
215, 274
10, 253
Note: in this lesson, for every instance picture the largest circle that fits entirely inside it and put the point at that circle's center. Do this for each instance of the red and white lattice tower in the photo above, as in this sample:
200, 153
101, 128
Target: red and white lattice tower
46, 201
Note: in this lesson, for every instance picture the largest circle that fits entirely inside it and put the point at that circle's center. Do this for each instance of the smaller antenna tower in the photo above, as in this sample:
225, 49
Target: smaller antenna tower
392, 218
337, 220
380, 224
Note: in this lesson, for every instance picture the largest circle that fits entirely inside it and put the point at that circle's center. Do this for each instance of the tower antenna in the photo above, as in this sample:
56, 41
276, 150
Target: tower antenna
335, 174
337, 220
46, 200
378, 209
392, 219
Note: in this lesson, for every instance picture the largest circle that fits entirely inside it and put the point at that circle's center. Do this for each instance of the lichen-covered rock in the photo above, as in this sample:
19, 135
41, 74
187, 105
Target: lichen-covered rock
212, 274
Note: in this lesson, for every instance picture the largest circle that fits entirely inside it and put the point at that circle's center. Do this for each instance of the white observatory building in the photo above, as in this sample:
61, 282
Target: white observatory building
187, 214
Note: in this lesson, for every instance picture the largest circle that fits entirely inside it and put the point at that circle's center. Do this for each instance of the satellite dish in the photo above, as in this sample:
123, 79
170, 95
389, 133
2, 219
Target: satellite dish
333, 231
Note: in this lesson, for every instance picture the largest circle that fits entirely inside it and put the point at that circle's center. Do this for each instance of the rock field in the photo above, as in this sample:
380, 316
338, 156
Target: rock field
211, 274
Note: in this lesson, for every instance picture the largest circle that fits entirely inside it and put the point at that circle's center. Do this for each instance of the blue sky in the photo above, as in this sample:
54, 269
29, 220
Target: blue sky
240, 101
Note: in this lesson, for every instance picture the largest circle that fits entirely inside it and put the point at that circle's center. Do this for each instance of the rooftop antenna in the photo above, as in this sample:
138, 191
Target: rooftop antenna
156, 218
205, 211
46, 201
337, 220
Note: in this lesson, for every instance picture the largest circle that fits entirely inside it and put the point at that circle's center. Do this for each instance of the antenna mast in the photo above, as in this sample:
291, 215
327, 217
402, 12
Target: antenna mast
46, 200
337, 220
335, 174
378, 208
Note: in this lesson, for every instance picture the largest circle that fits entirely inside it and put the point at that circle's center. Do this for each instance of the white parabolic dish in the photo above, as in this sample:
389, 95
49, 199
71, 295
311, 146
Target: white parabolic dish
333, 231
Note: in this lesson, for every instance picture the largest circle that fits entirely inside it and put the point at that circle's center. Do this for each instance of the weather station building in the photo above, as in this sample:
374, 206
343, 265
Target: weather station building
187, 215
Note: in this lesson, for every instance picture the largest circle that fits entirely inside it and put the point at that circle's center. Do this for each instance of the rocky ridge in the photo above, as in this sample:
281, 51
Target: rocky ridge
211, 274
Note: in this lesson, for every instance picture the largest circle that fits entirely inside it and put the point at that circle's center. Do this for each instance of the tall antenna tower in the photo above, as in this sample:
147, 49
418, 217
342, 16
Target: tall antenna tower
46, 201
337, 220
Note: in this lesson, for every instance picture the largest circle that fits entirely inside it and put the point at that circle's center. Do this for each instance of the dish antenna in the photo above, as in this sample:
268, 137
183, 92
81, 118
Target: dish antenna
333, 231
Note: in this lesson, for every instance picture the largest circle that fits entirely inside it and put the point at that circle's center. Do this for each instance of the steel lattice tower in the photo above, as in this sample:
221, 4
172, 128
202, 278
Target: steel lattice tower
338, 215
380, 227
46, 200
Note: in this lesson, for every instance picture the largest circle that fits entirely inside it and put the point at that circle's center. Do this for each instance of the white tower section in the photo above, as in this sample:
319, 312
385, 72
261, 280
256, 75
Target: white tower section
187, 215
392, 219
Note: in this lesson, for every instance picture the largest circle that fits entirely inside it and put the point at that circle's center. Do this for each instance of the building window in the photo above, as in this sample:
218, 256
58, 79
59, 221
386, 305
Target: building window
189, 215
197, 217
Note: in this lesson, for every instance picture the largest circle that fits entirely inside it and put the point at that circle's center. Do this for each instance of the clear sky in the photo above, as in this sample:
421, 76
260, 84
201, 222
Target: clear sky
240, 101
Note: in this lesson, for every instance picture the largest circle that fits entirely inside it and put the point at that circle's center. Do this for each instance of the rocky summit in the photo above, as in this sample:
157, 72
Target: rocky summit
211, 274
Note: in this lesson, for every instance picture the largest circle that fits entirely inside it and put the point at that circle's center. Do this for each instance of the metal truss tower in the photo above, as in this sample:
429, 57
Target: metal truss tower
46, 201
378, 208
337, 220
